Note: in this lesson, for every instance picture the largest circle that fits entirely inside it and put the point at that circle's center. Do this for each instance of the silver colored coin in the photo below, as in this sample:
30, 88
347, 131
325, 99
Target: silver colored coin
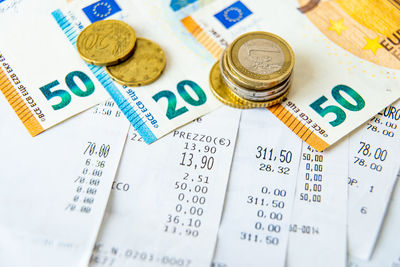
255, 95
251, 95
261, 56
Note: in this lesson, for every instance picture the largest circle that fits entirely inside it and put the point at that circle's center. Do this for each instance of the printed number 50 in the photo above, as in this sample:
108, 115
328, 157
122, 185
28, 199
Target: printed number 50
172, 112
340, 114
65, 96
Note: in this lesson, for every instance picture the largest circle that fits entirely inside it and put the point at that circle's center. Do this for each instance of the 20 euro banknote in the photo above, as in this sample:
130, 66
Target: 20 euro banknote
179, 96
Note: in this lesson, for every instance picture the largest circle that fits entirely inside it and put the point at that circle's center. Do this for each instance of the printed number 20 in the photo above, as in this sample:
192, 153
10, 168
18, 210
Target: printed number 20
340, 114
65, 96
172, 112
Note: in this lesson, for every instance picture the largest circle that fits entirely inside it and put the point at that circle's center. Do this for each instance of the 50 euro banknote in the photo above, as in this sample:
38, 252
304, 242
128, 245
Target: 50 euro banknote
347, 56
55, 83
42, 78
179, 96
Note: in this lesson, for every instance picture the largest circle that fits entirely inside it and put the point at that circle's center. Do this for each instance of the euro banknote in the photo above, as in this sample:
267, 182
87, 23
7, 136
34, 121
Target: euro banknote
41, 76
347, 56
179, 96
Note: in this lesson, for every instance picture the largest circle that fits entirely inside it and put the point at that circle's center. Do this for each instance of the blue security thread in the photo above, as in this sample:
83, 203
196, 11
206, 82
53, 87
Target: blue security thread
133, 117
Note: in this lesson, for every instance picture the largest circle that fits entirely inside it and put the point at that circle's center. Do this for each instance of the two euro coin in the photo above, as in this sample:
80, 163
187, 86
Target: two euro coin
129, 60
255, 70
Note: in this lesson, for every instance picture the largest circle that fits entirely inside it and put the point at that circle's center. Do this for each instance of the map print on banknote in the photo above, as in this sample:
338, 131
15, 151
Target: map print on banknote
346, 66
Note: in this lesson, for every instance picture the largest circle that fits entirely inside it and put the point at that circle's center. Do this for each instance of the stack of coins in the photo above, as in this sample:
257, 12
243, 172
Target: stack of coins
129, 61
255, 70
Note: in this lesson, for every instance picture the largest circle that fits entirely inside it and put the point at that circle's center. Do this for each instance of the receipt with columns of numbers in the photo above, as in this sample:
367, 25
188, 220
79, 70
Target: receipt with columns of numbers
41, 75
168, 197
54, 188
374, 164
347, 58
387, 252
255, 224
319, 218
180, 95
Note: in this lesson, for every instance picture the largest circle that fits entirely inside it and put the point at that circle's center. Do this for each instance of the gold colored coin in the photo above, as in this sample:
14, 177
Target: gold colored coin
225, 95
106, 42
143, 67
250, 93
260, 59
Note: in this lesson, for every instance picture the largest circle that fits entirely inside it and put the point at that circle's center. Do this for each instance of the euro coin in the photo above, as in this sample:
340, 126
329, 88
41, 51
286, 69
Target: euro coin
226, 69
106, 42
250, 93
144, 66
223, 93
260, 59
